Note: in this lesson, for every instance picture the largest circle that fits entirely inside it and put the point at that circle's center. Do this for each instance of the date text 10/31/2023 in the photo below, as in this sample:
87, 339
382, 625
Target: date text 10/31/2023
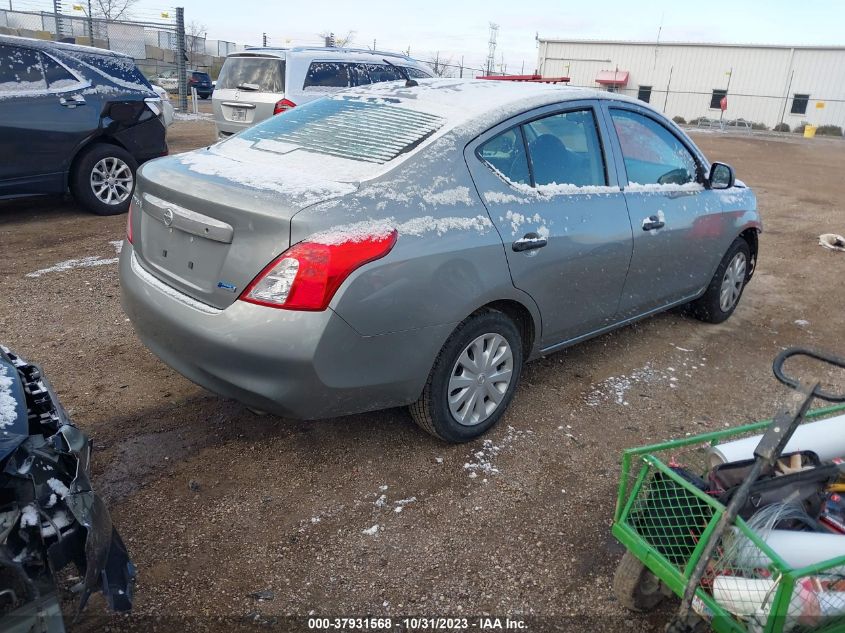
417, 624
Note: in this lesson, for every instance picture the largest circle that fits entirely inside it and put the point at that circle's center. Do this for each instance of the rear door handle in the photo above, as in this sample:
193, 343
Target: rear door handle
653, 222
528, 242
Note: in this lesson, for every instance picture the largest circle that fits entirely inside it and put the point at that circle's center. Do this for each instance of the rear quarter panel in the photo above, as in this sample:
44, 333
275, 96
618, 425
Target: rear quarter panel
448, 261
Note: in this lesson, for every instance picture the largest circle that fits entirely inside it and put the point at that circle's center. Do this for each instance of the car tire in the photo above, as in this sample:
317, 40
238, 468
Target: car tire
104, 163
447, 408
723, 293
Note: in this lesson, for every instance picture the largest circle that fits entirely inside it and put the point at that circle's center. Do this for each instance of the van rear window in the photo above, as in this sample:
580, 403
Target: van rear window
268, 73
349, 127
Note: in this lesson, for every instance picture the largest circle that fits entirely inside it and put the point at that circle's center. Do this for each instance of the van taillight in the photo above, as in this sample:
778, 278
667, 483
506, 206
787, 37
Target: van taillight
283, 106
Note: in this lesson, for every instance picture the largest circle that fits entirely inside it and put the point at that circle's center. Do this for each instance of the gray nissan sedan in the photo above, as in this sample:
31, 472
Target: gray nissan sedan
413, 243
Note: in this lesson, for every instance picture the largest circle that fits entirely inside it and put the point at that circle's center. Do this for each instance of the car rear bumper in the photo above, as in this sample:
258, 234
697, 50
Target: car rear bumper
304, 365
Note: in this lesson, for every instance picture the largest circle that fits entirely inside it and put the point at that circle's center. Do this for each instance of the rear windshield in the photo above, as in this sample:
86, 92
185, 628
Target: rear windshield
201, 76
348, 127
265, 72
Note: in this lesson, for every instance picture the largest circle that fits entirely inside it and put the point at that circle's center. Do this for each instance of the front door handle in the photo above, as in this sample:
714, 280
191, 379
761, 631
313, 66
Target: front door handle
72, 102
654, 222
528, 242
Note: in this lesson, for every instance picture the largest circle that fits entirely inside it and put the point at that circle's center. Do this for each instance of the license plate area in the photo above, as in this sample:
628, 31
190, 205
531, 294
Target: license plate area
191, 261
238, 114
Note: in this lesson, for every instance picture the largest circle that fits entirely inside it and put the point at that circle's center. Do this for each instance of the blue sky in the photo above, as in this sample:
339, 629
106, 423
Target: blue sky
460, 27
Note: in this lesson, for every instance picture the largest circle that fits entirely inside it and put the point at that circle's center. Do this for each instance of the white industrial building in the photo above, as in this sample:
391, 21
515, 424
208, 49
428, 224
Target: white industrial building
763, 83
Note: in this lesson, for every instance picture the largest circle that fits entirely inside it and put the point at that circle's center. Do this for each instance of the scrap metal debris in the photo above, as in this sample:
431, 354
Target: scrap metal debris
49, 516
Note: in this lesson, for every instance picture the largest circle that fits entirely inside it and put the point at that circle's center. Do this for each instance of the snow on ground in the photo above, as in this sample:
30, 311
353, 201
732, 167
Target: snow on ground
82, 262
371, 531
482, 460
8, 405
615, 389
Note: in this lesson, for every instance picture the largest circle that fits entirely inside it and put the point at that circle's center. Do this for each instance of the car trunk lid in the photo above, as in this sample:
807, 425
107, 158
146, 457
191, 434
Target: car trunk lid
208, 221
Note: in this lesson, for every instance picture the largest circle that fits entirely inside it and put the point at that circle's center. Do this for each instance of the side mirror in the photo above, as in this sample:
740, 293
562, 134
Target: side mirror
721, 176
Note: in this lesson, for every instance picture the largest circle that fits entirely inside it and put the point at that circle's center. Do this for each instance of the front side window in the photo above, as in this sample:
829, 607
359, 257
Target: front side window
564, 149
716, 99
20, 70
799, 104
327, 75
506, 154
652, 154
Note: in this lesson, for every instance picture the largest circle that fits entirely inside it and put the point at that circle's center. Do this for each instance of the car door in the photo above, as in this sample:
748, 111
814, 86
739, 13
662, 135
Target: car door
43, 119
553, 196
675, 252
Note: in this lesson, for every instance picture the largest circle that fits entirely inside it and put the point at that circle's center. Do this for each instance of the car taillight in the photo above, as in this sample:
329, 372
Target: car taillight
283, 106
307, 275
193, 80
129, 223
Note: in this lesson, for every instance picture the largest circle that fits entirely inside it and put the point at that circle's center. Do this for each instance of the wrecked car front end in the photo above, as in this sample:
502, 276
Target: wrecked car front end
49, 515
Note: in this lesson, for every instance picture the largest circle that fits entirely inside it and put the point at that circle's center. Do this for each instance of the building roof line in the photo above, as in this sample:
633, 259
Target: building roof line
554, 40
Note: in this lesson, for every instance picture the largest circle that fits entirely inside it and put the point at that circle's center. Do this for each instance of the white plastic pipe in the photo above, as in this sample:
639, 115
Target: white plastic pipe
826, 438
797, 549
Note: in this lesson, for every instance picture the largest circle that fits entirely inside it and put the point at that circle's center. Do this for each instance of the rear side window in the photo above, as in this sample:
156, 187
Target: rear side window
20, 70
120, 71
652, 154
57, 76
327, 75
565, 149
383, 72
346, 127
268, 74
506, 154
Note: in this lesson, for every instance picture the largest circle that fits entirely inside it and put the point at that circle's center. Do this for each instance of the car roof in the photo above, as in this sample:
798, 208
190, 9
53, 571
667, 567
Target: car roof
49, 45
323, 52
478, 103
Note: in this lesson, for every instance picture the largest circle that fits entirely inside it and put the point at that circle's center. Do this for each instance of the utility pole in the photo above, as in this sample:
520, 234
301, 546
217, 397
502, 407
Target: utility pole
90, 25
491, 48
181, 72
57, 16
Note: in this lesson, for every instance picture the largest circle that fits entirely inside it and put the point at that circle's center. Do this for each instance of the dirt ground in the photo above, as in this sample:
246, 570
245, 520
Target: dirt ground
216, 503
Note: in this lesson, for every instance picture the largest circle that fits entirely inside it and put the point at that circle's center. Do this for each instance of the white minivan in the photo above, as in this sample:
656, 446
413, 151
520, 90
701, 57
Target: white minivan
257, 83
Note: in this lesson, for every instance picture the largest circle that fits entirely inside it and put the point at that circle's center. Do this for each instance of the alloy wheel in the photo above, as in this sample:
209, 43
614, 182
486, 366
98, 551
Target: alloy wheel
111, 180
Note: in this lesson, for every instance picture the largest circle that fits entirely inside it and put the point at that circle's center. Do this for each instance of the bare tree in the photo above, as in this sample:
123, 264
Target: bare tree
338, 40
195, 41
442, 66
112, 9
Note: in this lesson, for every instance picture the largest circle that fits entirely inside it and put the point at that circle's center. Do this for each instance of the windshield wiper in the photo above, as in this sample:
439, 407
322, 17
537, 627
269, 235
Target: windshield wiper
246, 86
409, 83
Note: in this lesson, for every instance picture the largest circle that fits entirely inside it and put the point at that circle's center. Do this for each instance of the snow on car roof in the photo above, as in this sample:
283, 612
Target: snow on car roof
15, 40
473, 101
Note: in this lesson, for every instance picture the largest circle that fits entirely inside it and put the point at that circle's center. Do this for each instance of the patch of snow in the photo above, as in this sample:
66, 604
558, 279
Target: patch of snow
802, 322
8, 404
60, 520
29, 516
82, 262
380, 229
381, 501
482, 459
58, 487
635, 187
458, 195
371, 531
